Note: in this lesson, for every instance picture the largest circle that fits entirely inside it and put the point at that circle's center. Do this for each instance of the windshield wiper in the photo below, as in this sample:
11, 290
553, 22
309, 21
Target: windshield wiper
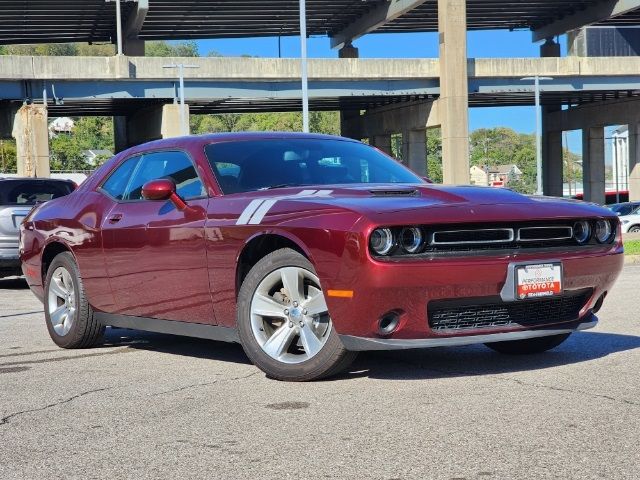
282, 185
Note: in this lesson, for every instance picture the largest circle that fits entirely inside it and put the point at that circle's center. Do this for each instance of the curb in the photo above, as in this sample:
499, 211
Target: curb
632, 259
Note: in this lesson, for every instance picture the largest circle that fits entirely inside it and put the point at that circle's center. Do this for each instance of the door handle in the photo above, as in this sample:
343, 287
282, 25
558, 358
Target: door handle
115, 218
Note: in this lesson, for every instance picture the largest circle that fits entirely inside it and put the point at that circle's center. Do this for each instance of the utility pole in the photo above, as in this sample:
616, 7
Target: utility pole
303, 61
119, 26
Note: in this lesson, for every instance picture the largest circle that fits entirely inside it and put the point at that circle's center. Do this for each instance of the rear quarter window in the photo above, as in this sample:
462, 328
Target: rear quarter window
30, 192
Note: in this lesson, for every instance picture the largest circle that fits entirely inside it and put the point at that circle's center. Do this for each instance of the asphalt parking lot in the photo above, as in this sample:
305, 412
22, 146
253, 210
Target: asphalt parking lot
155, 406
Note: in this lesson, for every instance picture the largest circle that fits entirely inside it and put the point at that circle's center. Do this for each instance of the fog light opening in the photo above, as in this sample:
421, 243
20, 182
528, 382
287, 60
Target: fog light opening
388, 323
598, 305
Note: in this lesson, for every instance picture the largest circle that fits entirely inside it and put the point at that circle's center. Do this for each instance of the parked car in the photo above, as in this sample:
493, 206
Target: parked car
17, 197
625, 208
629, 213
630, 223
306, 249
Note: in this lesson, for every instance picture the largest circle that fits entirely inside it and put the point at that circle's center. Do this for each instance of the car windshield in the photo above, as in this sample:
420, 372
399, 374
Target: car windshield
623, 208
30, 192
249, 165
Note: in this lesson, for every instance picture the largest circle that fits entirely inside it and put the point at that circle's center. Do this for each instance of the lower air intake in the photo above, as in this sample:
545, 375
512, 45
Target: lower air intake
492, 312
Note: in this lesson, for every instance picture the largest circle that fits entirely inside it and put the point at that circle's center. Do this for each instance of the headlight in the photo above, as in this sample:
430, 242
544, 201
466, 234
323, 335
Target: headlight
603, 231
381, 241
582, 231
411, 239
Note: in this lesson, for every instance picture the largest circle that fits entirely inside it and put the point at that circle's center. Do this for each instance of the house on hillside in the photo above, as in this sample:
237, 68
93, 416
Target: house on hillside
496, 176
61, 125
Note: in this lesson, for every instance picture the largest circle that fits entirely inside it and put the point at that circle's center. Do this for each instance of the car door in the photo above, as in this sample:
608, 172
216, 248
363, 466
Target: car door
154, 253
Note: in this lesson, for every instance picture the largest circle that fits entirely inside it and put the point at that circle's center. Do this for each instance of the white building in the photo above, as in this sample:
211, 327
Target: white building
61, 125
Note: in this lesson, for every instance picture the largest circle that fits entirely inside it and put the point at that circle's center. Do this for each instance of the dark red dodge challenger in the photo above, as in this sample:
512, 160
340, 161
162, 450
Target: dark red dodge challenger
306, 249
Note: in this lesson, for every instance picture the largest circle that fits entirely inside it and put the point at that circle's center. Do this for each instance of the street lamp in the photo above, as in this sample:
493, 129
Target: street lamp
536, 82
184, 126
303, 62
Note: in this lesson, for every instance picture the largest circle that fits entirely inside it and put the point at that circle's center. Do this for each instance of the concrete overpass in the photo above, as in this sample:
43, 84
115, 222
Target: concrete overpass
131, 88
398, 96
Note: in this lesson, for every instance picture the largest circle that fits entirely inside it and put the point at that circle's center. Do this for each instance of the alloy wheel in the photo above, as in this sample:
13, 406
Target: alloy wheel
61, 301
289, 315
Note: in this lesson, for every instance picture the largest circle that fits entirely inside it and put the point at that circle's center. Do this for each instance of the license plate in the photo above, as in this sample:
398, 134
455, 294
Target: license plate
542, 280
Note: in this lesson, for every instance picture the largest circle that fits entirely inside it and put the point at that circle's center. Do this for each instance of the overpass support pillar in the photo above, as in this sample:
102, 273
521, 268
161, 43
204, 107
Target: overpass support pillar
147, 124
593, 171
382, 142
30, 129
414, 150
634, 161
349, 118
552, 157
552, 164
454, 90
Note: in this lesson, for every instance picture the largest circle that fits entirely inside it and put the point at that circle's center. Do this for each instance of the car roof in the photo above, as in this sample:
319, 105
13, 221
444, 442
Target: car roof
204, 139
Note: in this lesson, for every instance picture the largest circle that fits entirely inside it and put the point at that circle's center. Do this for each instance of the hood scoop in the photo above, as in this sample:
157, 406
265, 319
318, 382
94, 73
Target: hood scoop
394, 192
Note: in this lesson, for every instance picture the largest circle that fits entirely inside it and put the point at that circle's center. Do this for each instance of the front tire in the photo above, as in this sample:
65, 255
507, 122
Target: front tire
634, 229
283, 322
528, 346
70, 319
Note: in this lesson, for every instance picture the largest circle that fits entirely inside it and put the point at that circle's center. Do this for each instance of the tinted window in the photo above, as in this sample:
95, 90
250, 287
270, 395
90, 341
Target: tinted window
248, 165
29, 192
117, 182
172, 165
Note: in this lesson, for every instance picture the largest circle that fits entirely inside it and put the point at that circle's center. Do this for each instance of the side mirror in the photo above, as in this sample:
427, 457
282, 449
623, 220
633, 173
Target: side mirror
163, 189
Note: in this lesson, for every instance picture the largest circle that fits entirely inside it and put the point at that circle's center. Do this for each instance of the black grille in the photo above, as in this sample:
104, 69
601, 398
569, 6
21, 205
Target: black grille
473, 236
489, 312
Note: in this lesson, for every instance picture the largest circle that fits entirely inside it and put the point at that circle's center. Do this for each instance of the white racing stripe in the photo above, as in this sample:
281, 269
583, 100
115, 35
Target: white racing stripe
247, 212
257, 209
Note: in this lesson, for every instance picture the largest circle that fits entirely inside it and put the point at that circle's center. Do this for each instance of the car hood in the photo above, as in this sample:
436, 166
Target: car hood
394, 204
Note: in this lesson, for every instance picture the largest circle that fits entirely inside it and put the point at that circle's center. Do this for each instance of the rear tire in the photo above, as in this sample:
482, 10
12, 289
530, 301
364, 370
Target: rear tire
70, 319
634, 229
528, 346
283, 322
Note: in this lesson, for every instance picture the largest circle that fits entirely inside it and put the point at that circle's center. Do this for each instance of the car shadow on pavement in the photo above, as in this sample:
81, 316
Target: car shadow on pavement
474, 360
175, 345
13, 283
441, 362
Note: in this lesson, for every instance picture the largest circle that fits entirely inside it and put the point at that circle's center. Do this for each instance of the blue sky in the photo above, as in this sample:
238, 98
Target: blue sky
412, 45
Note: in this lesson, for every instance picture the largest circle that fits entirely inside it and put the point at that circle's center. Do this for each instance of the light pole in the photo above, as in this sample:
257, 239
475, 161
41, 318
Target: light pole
536, 83
303, 62
119, 27
184, 126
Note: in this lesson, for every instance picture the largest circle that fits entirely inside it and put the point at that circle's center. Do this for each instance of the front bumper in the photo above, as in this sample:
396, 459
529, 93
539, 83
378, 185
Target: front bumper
9, 262
408, 287
362, 343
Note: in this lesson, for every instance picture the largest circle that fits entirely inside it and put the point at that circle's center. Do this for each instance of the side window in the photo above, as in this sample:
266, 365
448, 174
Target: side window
173, 165
116, 184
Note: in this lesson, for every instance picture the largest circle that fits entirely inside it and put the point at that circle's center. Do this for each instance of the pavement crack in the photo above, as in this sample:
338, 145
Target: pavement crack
567, 390
495, 377
186, 387
203, 384
5, 420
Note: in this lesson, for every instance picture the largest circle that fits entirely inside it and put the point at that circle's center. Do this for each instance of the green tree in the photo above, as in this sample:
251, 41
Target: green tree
171, 49
434, 155
8, 157
66, 154
51, 49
